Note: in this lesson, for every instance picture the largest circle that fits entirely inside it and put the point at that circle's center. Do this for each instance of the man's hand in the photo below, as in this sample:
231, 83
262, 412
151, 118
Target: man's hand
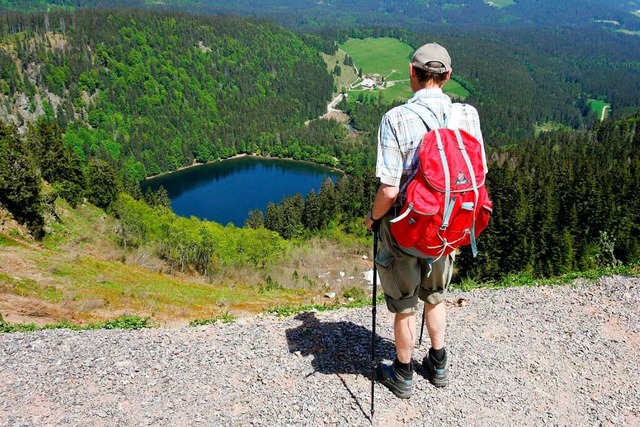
372, 224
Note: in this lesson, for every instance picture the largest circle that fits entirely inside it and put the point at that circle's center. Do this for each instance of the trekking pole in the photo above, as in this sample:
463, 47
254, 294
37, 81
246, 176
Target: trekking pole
373, 321
422, 326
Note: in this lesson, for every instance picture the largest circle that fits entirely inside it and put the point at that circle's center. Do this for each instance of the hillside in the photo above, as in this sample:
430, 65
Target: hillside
528, 356
151, 92
97, 100
80, 273
414, 14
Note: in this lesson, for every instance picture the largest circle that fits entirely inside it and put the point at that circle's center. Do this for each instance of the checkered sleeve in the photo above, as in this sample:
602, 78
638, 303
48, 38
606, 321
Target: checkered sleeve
389, 165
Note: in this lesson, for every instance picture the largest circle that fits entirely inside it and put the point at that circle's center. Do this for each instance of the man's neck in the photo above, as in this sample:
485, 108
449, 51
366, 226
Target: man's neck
432, 87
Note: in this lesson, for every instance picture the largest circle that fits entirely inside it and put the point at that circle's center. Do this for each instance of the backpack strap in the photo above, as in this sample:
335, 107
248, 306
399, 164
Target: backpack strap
472, 174
455, 115
430, 119
426, 114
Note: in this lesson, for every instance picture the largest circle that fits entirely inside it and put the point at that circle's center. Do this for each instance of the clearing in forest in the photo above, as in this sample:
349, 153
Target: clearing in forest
384, 65
597, 106
500, 3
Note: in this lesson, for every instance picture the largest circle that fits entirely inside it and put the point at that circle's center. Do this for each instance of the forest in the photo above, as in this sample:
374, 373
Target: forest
94, 101
157, 92
411, 14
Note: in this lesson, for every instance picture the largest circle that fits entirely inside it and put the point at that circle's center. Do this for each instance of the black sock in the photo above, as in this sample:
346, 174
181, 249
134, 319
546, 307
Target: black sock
438, 355
404, 369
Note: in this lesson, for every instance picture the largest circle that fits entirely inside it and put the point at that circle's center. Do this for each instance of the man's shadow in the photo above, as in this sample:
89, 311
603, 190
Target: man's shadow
337, 347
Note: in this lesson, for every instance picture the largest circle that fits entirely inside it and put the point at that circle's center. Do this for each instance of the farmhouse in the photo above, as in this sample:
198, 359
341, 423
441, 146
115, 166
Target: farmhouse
368, 83
372, 81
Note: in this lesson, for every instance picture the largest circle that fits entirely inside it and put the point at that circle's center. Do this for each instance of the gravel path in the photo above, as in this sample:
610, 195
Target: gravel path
565, 355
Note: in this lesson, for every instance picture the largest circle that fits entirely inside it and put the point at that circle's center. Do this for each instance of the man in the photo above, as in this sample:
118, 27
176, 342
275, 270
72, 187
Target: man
405, 279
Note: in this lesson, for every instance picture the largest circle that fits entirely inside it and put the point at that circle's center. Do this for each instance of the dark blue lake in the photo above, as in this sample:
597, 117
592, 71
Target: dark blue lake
226, 191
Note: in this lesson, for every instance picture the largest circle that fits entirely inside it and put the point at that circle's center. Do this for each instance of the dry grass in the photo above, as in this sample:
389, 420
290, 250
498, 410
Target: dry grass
323, 264
348, 74
80, 274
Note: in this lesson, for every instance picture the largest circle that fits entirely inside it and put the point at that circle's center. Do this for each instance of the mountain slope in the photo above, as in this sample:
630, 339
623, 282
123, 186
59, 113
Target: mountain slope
153, 91
397, 13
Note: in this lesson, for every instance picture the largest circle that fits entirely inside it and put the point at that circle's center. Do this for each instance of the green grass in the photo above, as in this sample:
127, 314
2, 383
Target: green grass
527, 279
386, 56
125, 287
390, 58
6, 240
123, 322
500, 3
85, 225
400, 91
628, 32
597, 105
455, 89
223, 318
549, 126
348, 74
288, 310
27, 287
451, 6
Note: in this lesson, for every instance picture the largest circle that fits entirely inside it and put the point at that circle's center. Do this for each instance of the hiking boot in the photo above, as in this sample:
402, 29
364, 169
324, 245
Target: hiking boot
391, 379
436, 370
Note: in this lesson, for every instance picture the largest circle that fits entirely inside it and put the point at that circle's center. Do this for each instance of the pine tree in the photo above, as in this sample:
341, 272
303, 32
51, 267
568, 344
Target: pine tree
255, 219
327, 203
102, 183
311, 213
58, 163
20, 182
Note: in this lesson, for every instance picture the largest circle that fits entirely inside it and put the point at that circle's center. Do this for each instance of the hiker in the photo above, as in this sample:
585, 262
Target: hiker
406, 278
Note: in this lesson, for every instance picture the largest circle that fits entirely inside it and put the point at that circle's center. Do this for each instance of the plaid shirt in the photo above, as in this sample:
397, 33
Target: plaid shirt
401, 132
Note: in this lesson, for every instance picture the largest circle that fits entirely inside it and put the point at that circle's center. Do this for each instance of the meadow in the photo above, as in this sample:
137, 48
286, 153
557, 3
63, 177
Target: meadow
628, 32
597, 105
386, 56
80, 274
389, 58
500, 3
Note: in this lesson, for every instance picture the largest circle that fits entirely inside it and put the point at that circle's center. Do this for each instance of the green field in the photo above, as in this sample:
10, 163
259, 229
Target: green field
597, 106
629, 32
455, 89
550, 126
499, 3
386, 56
389, 58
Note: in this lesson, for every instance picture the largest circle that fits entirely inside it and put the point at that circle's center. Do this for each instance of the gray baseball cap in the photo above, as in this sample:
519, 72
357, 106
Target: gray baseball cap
432, 52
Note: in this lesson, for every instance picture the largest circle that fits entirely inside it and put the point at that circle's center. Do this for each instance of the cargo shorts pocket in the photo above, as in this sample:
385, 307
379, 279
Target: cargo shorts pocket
392, 280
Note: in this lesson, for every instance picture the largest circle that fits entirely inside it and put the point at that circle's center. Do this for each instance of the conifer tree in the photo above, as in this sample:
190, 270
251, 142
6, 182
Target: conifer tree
102, 183
327, 203
255, 219
311, 213
20, 181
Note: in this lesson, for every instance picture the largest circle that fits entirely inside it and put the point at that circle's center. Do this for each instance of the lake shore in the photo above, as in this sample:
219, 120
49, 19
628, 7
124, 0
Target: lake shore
195, 164
238, 156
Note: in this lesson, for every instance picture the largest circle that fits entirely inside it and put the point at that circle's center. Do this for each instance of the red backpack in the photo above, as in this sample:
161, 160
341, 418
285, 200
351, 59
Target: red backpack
447, 205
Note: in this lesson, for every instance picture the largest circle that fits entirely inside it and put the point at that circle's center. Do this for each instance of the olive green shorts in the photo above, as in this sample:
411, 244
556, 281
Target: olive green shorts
405, 279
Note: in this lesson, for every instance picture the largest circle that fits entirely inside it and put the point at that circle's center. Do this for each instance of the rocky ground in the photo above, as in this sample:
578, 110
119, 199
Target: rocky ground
565, 355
